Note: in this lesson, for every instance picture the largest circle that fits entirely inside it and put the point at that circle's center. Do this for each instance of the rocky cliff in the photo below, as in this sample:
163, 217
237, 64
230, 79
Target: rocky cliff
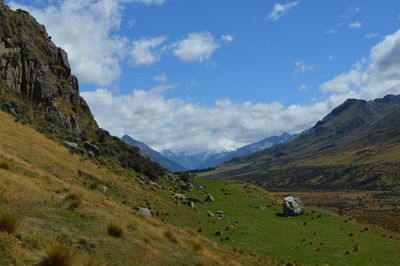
31, 65
37, 87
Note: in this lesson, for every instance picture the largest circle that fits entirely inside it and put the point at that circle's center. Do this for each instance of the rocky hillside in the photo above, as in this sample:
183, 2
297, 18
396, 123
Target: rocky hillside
356, 146
37, 87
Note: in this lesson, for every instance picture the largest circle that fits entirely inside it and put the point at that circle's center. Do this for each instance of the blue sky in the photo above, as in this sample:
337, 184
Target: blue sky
200, 75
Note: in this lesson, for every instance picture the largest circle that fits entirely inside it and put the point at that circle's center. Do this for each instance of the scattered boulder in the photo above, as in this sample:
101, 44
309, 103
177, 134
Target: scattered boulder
220, 212
190, 204
92, 148
210, 214
292, 206
145, 212
201, 187
194, 200
155, 185
186, 186
209, 198
106, 190
72, 145
180, 197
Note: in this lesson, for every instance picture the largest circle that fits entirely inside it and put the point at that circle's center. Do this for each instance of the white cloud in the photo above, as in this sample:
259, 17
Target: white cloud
355, 25
195, 47
86, 29
144, 51
335, 29
280, 10
150, 2
371, 35
301, 67
186, 126
375, 77
162, 78
227, 38
352, 11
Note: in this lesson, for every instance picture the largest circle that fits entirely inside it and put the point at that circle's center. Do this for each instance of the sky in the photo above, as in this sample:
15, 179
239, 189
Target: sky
206, 75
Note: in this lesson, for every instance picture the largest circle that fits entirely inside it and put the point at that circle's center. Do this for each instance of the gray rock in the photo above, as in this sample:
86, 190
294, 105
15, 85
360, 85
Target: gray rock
106, 190
145, 212
194, 200
180, 197
292, 206
155, 185
220, 212
210, 214
92, 148
190, 204
186, 186
71, 144
209, 198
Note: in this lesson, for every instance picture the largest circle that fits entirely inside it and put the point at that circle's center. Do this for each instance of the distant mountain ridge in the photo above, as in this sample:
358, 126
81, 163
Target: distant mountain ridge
154, 155
356, 146
211, 159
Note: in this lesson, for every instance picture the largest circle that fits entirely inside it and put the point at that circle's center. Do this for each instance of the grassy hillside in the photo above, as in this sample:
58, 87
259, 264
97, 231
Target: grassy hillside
252, 223
356, 146
57, 200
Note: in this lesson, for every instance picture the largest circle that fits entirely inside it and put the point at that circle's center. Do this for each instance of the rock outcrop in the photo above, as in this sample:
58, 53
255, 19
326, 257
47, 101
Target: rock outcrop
31, 65
37, 87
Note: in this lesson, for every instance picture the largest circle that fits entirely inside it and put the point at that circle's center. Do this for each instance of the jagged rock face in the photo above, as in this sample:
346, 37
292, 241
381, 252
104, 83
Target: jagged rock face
33, 66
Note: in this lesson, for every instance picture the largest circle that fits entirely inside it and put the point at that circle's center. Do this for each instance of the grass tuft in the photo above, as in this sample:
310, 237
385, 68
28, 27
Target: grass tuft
75, 200
115, 230
8, 223
58, 256
170, 236
4, 165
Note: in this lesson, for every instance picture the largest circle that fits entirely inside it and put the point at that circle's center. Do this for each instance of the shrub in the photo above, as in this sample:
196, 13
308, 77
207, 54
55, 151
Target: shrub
4, 165
75, 200
170, 236
8, 223
115, 230
58, 256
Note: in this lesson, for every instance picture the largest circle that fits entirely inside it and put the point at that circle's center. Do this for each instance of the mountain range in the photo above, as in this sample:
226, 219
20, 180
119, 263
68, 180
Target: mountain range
356, 146
184, 162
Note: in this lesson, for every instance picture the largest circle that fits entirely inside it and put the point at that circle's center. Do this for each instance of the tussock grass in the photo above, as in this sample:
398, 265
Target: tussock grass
115, 230
75, 200
171, 236
4, 165
8, 223
59, 256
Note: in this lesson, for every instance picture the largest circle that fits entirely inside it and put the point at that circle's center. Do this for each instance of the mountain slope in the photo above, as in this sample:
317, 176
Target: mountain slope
211, 159
37, 87
154, 155
356, 146
39, 181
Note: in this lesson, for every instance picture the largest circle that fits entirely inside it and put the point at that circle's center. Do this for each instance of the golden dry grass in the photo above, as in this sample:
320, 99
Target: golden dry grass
42, 180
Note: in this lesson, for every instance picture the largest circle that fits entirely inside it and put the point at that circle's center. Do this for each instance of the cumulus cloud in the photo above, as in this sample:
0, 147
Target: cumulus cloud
172, 123
280, 10
186, 126
195, 47
144, 51
355, 25
86, 29
373, 77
